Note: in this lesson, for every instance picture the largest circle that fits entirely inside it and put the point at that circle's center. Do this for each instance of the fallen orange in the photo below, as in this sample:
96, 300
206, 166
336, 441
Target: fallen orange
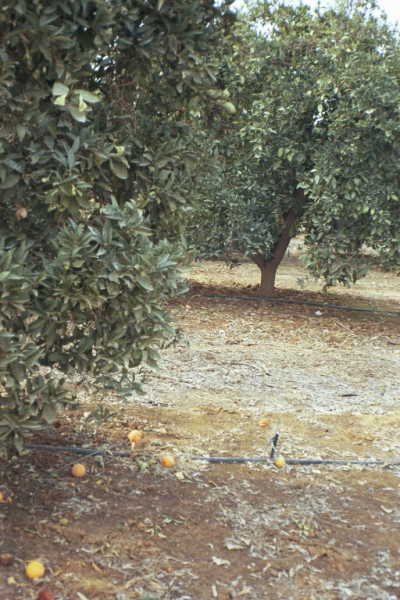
263, 422
167, 460
34, 569
45, 595
279, 462
78, 470
135, 435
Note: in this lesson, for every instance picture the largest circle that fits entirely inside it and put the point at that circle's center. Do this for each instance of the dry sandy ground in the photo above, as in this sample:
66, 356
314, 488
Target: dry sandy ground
326, 380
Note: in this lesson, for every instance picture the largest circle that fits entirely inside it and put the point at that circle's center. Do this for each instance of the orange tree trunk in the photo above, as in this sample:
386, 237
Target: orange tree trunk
269, 267
268, 275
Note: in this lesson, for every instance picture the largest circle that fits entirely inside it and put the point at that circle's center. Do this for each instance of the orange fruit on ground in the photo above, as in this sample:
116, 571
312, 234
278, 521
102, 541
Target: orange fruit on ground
135, 435
34, 569
279, 462
263, 422
45, 595
3, 497
167, 460
78, 470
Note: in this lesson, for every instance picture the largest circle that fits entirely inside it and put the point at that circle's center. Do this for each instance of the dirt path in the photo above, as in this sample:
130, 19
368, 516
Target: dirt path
328, 383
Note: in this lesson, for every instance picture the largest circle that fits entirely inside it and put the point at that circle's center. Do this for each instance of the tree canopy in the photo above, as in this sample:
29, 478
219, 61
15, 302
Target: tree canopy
96, 161
314, 145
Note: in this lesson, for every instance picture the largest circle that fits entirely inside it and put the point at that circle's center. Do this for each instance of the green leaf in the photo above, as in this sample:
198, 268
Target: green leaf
90, 97
77, 114
82, 105
49, 413
21, 132
60, 100
119, 169
145, 283
19, 443
59, 89
9, 182
229, 108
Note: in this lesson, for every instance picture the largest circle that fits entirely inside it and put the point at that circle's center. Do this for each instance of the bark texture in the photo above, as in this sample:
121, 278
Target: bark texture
269, 267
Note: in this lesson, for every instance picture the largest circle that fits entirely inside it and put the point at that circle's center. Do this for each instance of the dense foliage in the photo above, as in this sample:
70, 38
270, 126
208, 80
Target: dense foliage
314, 145
96, 160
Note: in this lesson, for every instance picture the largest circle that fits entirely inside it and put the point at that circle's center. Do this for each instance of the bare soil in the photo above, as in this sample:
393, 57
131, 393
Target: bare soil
326, 380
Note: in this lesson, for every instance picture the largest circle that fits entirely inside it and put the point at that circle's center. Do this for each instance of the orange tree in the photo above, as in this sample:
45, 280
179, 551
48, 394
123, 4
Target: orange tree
96, 160
313, 147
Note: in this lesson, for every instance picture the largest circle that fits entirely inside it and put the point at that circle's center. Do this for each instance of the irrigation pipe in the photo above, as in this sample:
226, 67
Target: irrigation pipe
294, 461
302, 302
219, 459
73, 450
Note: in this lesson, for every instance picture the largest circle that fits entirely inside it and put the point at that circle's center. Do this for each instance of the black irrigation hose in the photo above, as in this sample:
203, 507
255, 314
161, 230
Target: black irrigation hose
303, 302
218, 459
84, 451
294, 461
